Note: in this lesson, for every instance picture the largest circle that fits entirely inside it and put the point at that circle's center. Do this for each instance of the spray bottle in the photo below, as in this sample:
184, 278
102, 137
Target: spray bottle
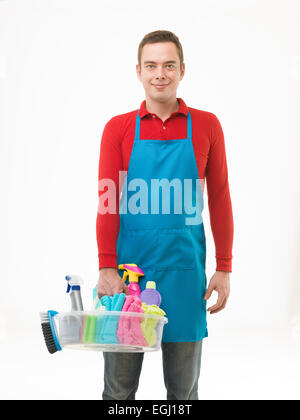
134, 272
71, 323
73, 288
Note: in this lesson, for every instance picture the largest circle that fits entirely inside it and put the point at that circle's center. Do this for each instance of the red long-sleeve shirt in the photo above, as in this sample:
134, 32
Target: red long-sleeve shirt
209, 148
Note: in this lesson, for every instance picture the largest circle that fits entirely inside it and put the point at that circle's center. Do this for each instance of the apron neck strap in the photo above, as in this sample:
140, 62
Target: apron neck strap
138, 126
189, 126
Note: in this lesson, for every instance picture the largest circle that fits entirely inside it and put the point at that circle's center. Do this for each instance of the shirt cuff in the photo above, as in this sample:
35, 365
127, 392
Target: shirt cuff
224, 264
107, 260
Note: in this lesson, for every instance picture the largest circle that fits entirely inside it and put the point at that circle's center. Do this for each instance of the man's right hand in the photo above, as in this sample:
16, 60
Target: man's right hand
110, 282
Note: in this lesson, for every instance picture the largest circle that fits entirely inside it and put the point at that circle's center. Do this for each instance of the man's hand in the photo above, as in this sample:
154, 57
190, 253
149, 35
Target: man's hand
221, 284
110, 283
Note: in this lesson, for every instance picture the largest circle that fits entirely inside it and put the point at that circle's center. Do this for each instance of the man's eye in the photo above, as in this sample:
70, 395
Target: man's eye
168, 65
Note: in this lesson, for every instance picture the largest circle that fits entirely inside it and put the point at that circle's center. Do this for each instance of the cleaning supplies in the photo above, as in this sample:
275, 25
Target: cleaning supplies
92, 326
120, 323
148, 324
73, 288
100, 321
97, 306
129, 328
108, 332
49, 331
134, 272
150, 295
151, 300
99, 327
70, 325
89, 329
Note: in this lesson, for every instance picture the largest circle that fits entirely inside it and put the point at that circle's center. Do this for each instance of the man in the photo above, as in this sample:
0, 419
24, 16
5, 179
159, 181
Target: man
165, 139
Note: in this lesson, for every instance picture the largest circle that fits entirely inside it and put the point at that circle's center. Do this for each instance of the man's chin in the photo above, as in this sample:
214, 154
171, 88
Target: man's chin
159, 97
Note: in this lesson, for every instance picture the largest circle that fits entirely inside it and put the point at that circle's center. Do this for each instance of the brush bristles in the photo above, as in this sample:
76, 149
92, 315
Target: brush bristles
48, 336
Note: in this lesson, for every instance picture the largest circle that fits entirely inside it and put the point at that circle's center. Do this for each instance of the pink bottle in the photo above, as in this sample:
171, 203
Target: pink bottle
134, 289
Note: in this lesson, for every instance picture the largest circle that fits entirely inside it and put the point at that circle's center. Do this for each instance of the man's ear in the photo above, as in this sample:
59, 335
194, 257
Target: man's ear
138, 72
182, 71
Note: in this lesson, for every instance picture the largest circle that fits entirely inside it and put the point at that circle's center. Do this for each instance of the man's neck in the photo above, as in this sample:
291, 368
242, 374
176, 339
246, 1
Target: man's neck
162, 109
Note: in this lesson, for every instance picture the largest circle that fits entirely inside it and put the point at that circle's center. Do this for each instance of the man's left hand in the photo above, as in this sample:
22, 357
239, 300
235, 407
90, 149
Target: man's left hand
219, 282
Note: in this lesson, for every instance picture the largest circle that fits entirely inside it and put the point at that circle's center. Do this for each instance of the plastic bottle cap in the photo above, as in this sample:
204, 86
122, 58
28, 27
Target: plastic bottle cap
150, 285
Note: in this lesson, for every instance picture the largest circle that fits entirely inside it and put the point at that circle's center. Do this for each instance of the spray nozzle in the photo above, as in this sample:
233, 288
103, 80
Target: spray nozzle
131, 270
74, 282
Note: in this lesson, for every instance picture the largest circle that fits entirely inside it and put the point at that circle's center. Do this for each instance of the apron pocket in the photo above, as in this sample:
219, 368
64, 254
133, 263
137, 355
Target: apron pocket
138, 246
175, 250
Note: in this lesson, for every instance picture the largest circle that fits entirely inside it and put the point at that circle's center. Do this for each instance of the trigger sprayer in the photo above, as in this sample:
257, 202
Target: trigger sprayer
134, 272
73, 288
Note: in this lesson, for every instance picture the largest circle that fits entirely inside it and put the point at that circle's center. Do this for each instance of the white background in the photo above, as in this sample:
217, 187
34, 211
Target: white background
66, 67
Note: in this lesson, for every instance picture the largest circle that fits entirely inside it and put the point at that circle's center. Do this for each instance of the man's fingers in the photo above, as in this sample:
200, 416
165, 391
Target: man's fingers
101, 293
110, 291
219, 309
218, 305
214, 309
105, 289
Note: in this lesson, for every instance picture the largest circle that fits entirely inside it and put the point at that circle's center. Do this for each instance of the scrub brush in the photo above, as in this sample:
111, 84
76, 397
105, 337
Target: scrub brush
49, 332
48, 325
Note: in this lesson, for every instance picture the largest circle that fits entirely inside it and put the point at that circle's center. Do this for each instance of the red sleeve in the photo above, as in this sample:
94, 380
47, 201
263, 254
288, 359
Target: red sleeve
219, 201
110, 163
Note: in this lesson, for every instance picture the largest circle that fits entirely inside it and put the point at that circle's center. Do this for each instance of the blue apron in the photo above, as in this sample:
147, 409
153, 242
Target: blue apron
160, 234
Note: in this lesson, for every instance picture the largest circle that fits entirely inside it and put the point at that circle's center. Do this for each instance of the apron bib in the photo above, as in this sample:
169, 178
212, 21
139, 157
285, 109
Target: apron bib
160, 233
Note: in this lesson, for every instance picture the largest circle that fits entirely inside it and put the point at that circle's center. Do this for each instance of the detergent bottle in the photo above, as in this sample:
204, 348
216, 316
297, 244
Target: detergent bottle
134, 272
150, 295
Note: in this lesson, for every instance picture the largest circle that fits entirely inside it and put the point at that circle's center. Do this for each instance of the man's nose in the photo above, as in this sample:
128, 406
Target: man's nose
160, 72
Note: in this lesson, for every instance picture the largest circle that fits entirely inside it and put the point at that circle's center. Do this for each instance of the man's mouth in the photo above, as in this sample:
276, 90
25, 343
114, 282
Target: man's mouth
160, 86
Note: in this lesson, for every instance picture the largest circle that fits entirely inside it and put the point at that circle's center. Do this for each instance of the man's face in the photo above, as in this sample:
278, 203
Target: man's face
160, 71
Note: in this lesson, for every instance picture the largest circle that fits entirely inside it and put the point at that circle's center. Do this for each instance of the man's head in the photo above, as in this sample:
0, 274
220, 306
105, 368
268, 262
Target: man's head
160, 65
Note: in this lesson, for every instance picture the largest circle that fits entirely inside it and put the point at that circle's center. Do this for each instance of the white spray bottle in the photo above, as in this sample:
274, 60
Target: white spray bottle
71, 323
73, 288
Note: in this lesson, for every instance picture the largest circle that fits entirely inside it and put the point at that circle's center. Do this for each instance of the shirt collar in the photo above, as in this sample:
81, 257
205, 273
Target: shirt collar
183, 109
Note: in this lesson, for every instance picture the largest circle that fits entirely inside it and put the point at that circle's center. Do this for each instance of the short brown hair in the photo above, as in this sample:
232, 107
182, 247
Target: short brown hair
161, 36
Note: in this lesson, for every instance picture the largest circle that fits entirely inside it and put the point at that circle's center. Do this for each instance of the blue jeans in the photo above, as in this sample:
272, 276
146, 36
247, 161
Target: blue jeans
181, 368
